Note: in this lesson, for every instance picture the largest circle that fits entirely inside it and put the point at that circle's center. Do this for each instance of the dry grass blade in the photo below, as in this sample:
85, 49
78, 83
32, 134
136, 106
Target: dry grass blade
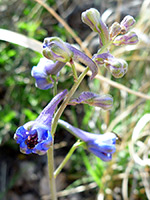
124, 114
78, 189
16, 38
145, 147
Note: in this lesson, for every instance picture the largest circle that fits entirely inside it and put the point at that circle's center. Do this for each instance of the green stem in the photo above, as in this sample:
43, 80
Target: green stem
65, 102
74, 70
55, 88
50, 156
51, 173
104, 48
73, 148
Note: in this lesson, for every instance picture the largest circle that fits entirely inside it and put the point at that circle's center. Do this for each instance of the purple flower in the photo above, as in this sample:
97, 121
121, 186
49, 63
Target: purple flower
129, 38
103, 101
101, 145
44, 72
118, 67
35, 136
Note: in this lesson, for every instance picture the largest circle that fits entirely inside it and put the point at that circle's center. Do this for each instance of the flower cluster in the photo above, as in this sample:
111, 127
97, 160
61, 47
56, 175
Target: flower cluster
35, 136
117, 34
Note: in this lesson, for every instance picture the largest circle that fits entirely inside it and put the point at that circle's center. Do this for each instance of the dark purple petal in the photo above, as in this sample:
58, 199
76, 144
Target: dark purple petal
79, 56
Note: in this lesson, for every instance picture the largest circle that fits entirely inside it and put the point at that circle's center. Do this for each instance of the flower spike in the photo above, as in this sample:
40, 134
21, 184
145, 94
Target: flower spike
103, 146
35, 136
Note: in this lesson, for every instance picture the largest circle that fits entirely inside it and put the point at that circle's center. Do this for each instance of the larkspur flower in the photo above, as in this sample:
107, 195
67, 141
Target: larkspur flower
101, 145
117, 66
35, 136
103, 101
57, 50
45, 72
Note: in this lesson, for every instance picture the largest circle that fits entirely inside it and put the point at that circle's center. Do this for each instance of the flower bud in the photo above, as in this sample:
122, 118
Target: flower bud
117, 67
129, 38
55, 49
91, 17
127, 22
114, 30
103, 101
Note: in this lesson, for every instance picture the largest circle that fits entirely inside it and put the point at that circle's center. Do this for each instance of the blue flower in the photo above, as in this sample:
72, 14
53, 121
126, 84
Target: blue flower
101, 145
35, 136
43, 73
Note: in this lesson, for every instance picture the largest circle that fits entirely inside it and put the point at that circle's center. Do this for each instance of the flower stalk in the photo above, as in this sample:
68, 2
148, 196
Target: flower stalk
50, 156
66, 100
68, 156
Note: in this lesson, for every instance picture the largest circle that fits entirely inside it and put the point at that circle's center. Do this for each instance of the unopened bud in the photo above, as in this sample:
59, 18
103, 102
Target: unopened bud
92, 18
103, 101
114, 30
127, 22
117, 67
55, 49
129, 38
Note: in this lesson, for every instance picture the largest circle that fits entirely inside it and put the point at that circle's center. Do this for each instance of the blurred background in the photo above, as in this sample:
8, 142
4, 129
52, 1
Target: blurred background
25, 177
